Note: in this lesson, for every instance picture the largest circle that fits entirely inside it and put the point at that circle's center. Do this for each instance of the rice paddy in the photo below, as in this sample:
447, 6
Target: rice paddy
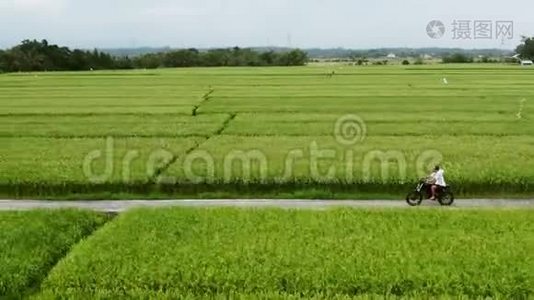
170, 130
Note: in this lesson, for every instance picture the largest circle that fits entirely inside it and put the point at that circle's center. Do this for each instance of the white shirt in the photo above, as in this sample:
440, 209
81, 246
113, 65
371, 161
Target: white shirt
438, 176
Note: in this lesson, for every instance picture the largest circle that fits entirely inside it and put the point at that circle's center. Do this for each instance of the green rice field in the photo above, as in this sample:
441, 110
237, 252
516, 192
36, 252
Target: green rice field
289, 254
256, 132
222, 253
31, 243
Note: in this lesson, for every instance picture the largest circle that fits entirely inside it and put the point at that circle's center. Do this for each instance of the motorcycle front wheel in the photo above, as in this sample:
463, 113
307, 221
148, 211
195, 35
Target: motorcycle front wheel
446, 199
414, 198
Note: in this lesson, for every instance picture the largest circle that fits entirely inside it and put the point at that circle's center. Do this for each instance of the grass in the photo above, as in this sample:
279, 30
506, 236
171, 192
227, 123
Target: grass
180, 252
470, 159
387, 128
166, 125
87, 160
51, 121
32, 242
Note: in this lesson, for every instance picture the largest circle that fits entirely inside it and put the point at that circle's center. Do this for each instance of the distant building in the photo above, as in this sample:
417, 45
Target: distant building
526, 63
392, 55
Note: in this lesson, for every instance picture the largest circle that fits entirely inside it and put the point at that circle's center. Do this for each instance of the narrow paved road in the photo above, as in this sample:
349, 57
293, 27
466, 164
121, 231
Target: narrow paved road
122, 205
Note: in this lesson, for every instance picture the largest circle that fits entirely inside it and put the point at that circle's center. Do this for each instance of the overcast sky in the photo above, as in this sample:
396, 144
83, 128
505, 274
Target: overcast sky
220, 23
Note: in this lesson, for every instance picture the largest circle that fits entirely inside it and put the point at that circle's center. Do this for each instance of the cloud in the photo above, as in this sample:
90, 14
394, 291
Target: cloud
174, 9
39, 7
218, 23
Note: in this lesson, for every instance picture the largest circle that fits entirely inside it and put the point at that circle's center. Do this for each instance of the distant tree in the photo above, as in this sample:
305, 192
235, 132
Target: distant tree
457, 58
216, 58
298, 57
419, 61
79, 61
362, 61
181, 58
97, 60
123, 63
2, 61
234, 58
526, 48
243, 57
268, 58
251, 58
30, 56
33, 55
485, 59
405, 62
148, 61
295, 57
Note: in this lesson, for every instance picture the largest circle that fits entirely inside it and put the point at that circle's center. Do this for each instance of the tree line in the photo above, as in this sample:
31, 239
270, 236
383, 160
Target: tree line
33, 55
525, 50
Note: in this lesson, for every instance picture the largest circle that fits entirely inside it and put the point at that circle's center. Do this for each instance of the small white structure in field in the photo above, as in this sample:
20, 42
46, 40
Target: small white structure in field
392, 55
445, 81
526, 63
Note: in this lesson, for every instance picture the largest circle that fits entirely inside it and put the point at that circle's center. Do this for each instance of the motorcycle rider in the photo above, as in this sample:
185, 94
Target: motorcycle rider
437, 182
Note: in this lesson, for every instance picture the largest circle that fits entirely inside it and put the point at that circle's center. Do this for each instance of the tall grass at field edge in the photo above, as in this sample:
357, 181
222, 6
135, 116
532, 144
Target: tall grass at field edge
291, 190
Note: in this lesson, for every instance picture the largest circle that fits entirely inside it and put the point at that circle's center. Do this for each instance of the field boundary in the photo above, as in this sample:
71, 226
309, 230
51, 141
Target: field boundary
205, 98
35, 288
174, 158
225, 125
154, 178
77, 227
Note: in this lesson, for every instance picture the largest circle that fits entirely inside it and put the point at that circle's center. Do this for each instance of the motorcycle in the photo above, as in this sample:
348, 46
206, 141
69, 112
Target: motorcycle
444, 195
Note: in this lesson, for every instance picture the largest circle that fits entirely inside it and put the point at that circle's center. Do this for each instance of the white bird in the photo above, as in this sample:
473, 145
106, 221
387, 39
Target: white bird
445, 81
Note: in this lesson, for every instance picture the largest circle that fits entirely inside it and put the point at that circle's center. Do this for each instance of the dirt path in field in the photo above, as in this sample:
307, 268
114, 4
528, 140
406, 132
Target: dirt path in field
123, 205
